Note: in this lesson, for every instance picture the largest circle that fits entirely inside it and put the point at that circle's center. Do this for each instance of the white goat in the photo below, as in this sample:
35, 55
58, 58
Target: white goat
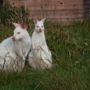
40, 56
13, 50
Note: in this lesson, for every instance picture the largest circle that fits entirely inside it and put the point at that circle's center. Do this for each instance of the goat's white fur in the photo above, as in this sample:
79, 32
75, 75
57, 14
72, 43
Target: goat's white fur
13, 53
40, 56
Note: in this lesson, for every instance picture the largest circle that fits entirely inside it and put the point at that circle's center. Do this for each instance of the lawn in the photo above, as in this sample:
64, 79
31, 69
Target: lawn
70, 47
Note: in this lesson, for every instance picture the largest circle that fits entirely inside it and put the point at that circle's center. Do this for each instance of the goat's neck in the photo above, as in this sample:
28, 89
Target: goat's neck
39, 36
26, 38
38, 39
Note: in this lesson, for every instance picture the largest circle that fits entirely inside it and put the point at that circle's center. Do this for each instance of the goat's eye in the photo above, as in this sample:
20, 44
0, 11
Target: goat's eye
18, 32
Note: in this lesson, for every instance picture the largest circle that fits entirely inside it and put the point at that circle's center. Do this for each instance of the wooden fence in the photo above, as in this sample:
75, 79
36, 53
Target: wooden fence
63, 11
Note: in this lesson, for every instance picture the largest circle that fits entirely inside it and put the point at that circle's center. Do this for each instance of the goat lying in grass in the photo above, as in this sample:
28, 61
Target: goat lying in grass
40, 56
13, 50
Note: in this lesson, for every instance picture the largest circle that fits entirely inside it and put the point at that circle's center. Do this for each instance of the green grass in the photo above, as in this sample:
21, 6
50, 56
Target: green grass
70, 46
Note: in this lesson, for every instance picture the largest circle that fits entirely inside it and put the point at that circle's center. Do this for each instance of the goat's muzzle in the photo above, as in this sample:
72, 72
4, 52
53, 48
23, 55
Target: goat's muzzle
13, 38
40, 30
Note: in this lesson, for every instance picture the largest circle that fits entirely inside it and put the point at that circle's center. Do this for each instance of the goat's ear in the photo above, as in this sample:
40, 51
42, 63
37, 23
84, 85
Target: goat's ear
35, 20
23, 26
43, 20
15, 24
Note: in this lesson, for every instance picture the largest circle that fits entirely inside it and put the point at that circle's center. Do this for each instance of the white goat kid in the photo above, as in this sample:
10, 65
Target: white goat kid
13, 50
40, 56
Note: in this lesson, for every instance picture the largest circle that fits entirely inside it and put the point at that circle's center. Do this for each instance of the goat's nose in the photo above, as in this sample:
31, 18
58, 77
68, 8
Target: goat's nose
40, 30
13, 38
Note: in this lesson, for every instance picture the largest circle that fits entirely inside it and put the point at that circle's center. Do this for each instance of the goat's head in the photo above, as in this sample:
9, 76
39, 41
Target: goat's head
39, 25
19, 31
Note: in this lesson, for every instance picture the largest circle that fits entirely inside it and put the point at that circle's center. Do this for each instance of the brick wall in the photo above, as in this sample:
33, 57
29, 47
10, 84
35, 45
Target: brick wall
63, 11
